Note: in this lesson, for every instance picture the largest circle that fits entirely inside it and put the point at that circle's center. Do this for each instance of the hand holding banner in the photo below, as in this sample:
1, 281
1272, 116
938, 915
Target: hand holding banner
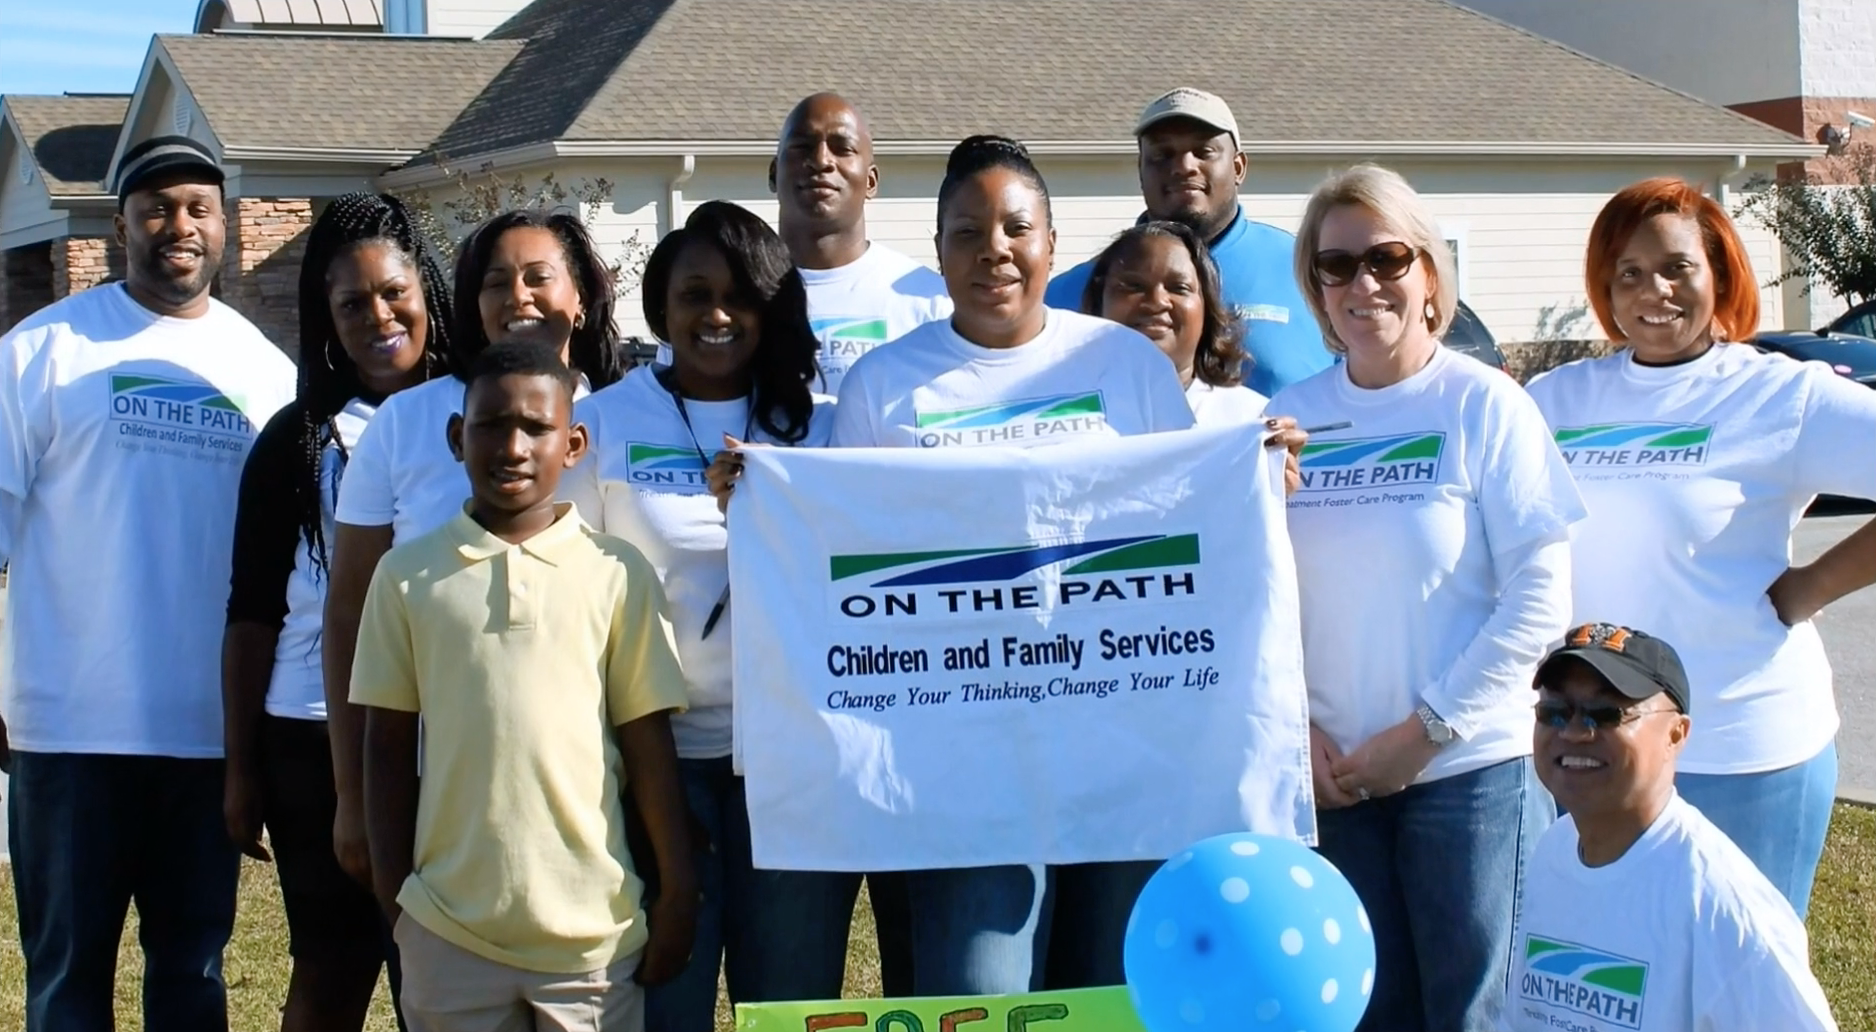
960, 658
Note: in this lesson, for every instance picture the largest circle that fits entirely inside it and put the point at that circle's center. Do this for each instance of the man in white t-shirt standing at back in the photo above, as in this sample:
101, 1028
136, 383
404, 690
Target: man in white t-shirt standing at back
861, 294
1640, 915
126, 412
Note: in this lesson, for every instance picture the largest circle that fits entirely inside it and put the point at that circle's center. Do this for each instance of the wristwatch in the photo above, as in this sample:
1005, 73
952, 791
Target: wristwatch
1439, 732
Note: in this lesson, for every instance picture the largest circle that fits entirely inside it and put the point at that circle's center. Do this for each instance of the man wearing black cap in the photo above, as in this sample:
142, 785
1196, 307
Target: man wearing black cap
1638, 913
1191, 165
125, 414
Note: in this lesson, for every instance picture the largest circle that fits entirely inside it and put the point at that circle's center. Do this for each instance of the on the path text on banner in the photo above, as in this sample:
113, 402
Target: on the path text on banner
975, 656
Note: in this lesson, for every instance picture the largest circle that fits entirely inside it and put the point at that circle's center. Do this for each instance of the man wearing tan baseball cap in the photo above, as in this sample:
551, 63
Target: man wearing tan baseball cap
1191, 163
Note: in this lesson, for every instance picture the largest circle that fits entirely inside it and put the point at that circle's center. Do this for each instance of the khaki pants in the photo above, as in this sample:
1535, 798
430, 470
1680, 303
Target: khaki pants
449, 989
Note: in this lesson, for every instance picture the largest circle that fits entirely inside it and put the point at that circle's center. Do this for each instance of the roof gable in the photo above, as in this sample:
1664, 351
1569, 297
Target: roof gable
352, 92
69, 138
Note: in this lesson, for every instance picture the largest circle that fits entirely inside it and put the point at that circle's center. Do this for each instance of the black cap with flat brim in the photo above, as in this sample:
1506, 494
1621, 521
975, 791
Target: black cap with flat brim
165, 156
1636, 664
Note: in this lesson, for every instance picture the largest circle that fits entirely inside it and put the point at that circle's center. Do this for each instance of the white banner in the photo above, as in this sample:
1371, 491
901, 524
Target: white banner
960, 657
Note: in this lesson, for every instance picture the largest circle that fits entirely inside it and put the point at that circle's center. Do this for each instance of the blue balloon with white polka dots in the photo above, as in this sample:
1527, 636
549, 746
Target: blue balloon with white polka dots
1249, 932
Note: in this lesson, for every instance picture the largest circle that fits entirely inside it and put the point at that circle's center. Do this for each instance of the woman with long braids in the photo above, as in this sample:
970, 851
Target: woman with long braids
723, 295
522, 276
374, 320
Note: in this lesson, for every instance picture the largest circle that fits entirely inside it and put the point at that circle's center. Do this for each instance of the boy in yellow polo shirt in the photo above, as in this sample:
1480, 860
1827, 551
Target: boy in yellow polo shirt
537, 653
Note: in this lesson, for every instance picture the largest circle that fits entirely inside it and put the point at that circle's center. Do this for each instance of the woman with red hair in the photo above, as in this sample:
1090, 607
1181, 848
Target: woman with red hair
1697, 457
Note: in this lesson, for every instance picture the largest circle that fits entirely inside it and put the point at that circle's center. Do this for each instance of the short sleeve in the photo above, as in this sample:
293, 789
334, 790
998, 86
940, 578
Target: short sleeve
1166, 404
1834, 453
642, 673
1759, 978
267, 523
1523, 485
580, 485
25, 421
853, 413
384, 669
367, 496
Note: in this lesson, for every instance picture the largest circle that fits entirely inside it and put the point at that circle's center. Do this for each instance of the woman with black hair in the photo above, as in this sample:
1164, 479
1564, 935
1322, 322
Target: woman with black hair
522, 276
723, 295
1159, 278
374, 318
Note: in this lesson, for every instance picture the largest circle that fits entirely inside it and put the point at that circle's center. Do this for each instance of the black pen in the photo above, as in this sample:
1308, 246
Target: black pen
716, 611
1326, 427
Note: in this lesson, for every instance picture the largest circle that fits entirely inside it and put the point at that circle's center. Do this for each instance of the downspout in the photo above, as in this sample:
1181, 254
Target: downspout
674, 196
1728, 178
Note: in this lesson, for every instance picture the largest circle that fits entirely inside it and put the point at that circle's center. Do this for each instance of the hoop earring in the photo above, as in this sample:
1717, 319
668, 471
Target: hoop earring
328, 350
579, 321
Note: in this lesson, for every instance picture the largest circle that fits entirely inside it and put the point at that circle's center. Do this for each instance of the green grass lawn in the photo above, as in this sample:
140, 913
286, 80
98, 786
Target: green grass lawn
1843, 943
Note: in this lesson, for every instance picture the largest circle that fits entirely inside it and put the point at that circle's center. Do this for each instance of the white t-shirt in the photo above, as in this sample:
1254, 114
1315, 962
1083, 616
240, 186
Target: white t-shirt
1681, 934
643, 481
1224, 406
1695, 476
932, 388
402, 474
297, 690
122, 436
1431, 555
883, 295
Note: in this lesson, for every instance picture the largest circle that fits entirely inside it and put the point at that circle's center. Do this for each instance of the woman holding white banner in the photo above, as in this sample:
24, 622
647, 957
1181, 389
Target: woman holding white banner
1432, 555
722, 293
985, 930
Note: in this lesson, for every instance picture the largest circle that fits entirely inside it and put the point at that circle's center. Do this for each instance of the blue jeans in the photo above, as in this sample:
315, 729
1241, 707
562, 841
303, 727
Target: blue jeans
1088, 934
1778, 818
979, 931
1439, 868
90, 834
777, 936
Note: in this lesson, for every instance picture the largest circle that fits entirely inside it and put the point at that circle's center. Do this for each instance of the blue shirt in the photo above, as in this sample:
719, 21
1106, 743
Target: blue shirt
1254, 262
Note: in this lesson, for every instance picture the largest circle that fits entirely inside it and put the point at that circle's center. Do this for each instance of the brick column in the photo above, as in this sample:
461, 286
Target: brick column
260, 268
80, 263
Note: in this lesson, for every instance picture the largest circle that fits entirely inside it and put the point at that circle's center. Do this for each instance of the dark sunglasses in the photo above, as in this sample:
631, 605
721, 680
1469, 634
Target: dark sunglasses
1389, 261
1558, 715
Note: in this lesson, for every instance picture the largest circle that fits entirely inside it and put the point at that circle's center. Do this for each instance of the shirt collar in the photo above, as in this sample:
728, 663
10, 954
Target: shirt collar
475, 543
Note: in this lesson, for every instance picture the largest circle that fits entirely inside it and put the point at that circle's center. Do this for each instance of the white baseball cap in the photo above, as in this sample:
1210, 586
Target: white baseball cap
1198, 105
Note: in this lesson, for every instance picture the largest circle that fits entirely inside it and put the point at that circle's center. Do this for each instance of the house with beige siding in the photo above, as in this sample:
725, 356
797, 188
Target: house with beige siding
1515, 140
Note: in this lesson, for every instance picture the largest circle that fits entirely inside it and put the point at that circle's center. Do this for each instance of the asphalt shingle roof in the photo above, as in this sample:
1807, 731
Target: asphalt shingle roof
71, 137
364, 92
1350, 71
1059, 70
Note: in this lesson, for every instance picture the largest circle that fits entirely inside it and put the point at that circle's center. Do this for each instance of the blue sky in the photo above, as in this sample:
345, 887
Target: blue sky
82, 46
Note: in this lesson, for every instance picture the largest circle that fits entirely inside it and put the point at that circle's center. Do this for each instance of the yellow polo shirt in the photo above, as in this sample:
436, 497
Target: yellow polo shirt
521, 659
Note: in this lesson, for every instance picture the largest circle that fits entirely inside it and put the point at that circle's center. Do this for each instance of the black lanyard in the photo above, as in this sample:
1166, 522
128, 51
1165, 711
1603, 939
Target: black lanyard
668, 382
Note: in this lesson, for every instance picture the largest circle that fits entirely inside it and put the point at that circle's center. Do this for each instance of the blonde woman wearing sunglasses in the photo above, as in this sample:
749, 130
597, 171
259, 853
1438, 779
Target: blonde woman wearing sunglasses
1431, 537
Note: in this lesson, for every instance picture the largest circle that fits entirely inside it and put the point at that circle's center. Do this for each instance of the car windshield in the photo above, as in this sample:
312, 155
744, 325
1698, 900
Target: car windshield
1856, 353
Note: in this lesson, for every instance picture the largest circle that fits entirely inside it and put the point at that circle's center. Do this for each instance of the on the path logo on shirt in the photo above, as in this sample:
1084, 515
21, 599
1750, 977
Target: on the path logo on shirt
658, 465
1027, 420
1586, 981
1367, 462
184, 417
1635, 444
844, 338
986, 580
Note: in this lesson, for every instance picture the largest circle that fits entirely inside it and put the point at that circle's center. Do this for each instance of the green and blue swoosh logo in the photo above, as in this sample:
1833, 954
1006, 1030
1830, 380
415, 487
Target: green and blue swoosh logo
982, 565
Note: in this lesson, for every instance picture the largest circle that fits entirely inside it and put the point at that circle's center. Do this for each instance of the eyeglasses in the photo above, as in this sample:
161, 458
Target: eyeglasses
1558, 715
1389, 261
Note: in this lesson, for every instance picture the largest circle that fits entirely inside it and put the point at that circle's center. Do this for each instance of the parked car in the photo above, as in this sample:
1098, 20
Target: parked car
1468, 335
1850, 354
1860, 320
